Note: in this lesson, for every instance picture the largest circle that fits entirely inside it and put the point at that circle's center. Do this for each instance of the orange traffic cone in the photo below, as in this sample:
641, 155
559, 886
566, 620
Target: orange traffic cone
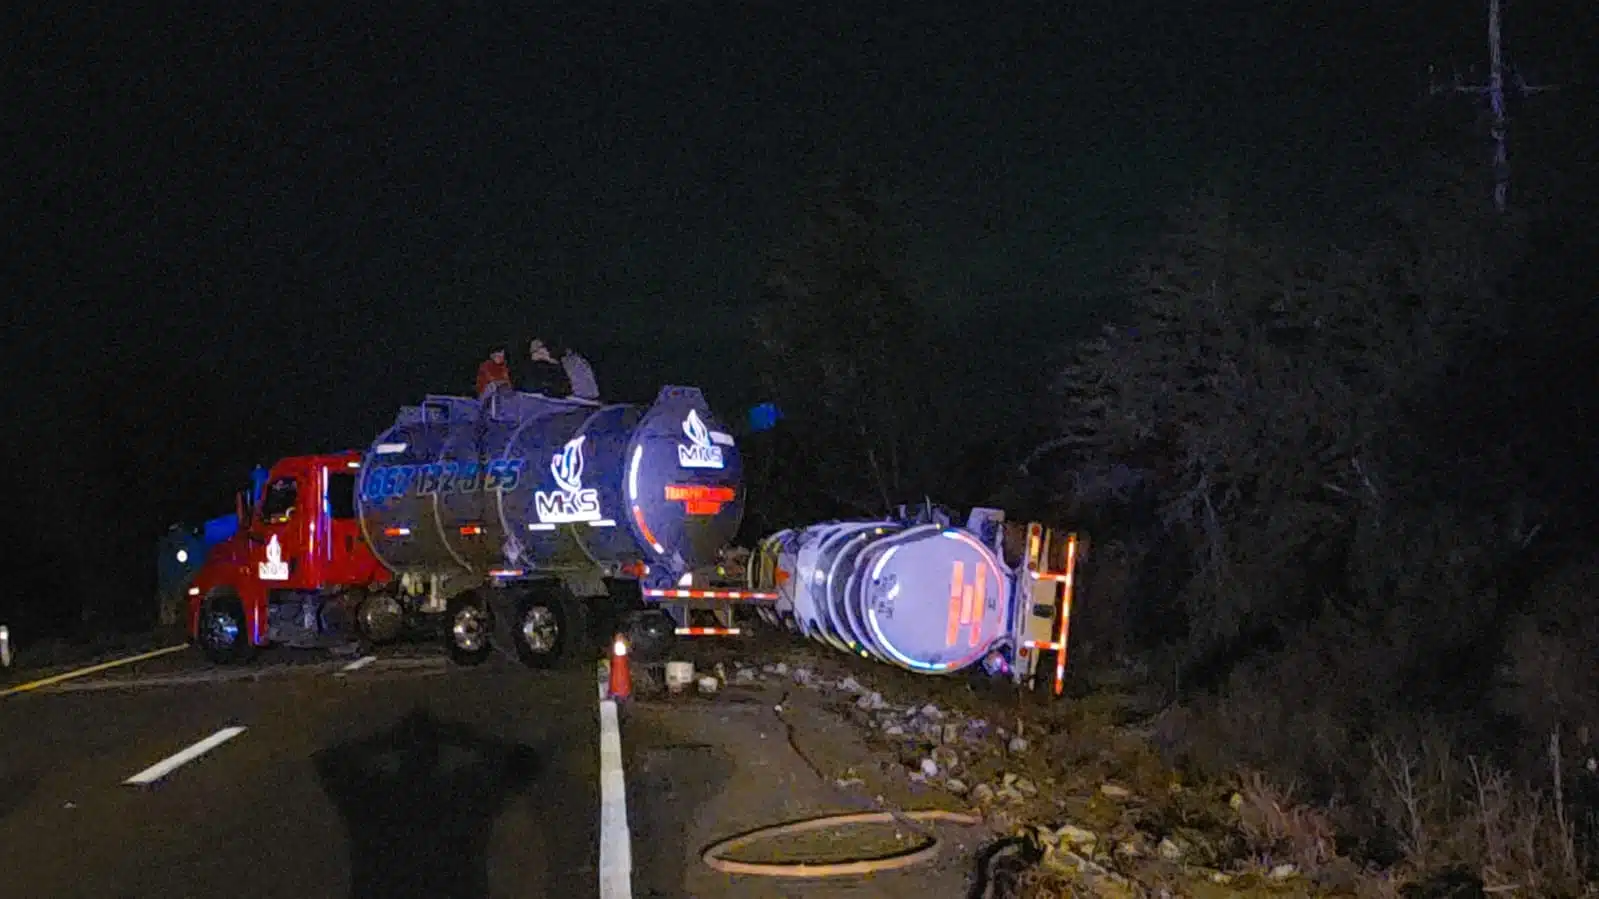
621, 685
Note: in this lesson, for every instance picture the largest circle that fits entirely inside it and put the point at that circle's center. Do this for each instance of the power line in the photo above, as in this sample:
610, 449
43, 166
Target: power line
1495, 90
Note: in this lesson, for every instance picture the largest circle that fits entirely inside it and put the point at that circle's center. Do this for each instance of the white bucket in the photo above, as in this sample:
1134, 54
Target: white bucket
708, 685
678, 676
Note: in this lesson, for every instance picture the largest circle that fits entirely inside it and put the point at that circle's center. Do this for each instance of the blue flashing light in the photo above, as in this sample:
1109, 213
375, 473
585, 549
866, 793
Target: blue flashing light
764, 416
258, 481
219, 529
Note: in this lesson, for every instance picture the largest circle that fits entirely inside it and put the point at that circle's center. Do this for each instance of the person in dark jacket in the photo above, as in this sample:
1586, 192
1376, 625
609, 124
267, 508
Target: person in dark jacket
545, 375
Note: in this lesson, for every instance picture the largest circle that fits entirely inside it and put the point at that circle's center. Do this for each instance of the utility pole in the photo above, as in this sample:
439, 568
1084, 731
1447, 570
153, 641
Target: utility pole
1495, 91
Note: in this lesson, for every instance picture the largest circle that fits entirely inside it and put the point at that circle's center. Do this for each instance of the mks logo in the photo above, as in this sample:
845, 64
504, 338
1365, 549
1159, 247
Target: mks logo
700, 451
570, 501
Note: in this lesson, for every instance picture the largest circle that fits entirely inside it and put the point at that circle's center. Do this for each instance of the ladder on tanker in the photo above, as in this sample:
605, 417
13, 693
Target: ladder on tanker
1044, 628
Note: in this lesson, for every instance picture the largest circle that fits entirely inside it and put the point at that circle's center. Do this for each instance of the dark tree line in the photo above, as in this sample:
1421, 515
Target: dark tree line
846, 348
1376, 435
1370, 548
874, 386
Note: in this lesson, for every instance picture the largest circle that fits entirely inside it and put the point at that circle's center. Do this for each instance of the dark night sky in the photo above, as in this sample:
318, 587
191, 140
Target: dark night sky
252, 229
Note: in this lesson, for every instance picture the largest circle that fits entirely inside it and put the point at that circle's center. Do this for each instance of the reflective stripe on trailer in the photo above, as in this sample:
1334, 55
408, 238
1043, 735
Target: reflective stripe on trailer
708, 632
657, 593
1059, 577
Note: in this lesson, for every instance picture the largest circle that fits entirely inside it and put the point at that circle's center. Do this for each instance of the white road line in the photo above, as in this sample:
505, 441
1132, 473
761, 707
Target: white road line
172, 763
616, 841
358, 664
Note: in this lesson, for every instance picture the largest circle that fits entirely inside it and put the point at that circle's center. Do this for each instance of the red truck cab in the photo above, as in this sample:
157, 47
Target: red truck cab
297, 571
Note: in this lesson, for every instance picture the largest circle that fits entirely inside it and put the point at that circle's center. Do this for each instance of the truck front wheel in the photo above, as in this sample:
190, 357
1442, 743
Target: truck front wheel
222, 633
380, 617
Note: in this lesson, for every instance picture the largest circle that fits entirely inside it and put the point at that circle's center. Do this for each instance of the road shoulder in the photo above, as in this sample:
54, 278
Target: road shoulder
701, 770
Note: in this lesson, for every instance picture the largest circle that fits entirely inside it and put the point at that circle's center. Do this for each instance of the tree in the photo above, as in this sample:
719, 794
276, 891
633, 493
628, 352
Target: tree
1274, 386
848, 352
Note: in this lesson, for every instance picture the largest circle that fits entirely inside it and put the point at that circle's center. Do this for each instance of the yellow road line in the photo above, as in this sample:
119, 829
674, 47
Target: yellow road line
92, 669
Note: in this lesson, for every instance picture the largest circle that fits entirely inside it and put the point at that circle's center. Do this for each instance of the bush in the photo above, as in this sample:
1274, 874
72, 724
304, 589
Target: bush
1359, 591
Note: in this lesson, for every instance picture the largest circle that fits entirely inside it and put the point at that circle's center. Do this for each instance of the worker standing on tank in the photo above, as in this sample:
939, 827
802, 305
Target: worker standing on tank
493, 375
580, 376
546, 376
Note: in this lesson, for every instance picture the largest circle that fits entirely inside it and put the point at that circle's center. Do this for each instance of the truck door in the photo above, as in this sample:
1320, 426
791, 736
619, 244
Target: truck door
348, 560
280, 536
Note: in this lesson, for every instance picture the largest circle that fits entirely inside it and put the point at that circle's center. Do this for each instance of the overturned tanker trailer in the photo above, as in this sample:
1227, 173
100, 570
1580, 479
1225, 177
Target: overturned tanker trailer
920, 593
521, 517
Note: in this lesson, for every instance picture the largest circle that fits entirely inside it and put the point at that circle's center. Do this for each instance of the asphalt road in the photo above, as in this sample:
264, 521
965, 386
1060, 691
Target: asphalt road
404, 778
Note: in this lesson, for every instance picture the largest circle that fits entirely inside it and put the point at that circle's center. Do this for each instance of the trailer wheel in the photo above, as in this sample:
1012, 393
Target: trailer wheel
550, 629
650, 635
221, 632
468, 637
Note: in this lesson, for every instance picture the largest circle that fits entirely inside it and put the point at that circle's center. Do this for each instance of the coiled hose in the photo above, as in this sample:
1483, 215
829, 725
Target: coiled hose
713, 856
893, 861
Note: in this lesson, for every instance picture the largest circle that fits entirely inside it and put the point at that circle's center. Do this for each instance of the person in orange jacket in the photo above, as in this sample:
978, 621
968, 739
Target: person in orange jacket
493, 374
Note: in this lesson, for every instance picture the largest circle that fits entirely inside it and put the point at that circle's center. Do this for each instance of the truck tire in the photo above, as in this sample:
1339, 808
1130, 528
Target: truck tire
550, 629
468, 631
651, 634
379, 618
221, 631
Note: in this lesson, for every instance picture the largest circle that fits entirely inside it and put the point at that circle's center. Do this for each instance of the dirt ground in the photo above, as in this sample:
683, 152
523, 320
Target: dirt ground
759, 755
784, 738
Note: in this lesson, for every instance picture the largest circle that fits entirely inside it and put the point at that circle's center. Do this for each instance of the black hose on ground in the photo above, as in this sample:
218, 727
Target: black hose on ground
910, 820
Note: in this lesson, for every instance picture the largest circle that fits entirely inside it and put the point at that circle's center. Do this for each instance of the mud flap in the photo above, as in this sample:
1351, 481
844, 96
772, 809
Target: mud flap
504, 613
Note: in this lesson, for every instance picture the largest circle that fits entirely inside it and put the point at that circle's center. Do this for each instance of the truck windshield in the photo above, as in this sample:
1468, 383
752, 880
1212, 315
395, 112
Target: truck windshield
341, 495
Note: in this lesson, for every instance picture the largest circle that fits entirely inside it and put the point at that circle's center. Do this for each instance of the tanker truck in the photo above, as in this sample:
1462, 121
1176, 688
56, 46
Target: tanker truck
516, 522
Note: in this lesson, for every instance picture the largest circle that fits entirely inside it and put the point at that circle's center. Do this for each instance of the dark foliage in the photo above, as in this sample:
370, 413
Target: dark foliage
848, 350
1370, 471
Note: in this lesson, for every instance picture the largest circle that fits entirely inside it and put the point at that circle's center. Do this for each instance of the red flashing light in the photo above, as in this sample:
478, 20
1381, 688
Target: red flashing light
471, 530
